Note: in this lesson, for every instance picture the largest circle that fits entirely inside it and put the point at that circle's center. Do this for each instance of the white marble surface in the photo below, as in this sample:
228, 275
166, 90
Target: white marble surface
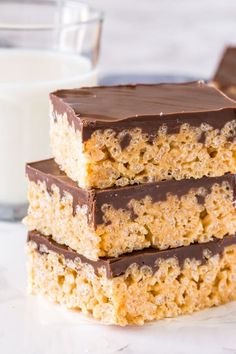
30, 325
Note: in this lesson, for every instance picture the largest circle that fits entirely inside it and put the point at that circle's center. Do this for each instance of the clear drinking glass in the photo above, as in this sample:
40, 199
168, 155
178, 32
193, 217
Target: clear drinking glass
44, 46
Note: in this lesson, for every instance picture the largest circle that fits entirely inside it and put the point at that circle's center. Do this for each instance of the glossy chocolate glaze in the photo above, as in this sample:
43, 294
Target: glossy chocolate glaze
225, 75
148, 107
149, 257
48, 171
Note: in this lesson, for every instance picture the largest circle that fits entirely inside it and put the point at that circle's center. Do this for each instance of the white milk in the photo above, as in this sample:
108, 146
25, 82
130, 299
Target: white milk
26, 78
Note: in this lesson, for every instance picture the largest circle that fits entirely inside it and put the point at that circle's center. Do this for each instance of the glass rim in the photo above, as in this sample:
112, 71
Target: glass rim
95, 15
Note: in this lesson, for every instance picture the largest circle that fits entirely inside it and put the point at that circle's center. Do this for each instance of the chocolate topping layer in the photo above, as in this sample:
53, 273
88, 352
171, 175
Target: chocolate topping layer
225, 75
48, 171
149, 257
119, 197
148, 107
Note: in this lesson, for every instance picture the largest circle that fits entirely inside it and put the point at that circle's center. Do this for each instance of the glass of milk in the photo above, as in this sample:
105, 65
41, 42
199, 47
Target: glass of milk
44, 46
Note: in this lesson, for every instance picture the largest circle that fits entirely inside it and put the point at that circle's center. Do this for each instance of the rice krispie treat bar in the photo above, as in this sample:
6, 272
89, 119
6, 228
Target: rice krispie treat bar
225, 75
122, 135
143, 286
114, 221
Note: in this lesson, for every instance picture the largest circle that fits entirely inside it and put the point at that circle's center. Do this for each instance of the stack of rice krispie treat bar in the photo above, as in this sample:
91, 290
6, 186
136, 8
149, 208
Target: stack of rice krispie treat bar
134, 218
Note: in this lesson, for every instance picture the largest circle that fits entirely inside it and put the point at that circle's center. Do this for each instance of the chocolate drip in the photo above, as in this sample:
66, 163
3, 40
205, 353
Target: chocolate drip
200, 199
149, 257
125, 141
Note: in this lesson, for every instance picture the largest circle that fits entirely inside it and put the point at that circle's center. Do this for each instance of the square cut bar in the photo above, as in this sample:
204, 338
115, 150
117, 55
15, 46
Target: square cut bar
135, 288
122, 135
114, 221
225, 75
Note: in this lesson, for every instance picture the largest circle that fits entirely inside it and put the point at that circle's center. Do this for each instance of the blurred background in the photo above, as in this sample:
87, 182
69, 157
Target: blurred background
165, 36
